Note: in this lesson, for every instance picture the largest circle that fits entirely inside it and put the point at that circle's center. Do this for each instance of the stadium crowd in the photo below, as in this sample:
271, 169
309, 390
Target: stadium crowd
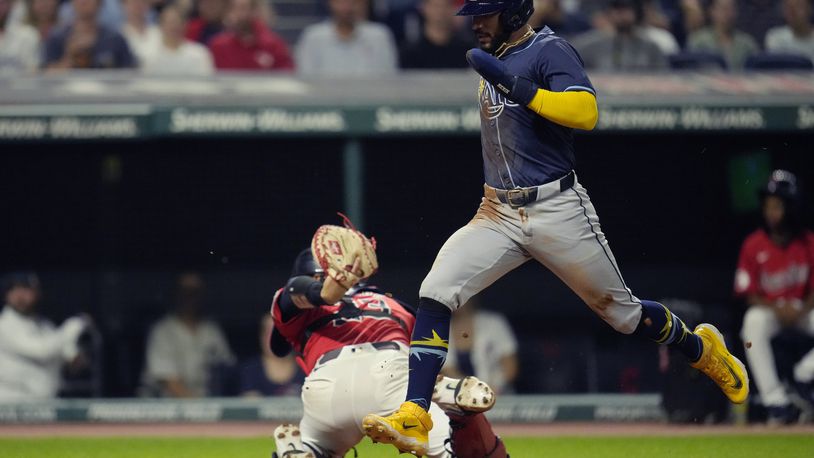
359, 37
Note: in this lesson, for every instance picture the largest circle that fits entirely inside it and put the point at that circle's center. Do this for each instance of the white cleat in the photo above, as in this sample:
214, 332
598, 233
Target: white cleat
288, 440
463, 396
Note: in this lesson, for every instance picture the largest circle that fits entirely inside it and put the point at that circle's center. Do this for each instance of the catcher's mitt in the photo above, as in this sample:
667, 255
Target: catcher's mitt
345, 255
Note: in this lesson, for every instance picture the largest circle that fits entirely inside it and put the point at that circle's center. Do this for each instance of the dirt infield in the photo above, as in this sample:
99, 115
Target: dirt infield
258, 429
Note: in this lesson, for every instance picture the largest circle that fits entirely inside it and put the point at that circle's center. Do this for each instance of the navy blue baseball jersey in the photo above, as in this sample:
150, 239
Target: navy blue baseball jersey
520, 147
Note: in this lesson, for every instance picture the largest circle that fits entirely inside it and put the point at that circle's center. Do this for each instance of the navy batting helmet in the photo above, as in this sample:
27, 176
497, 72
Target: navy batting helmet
782, 184
305, 264
513, 13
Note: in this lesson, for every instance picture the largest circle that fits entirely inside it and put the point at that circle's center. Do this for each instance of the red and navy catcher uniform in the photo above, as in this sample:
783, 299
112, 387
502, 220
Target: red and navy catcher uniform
355, 355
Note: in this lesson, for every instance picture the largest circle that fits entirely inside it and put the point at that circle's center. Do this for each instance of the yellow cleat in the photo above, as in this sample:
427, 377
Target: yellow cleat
407, 428
719, 365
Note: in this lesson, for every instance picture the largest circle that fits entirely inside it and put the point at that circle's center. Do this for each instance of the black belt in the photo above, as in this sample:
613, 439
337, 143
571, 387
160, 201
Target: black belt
333, 354
520, 197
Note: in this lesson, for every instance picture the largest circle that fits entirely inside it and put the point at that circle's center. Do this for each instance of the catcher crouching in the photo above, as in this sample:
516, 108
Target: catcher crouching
352, 341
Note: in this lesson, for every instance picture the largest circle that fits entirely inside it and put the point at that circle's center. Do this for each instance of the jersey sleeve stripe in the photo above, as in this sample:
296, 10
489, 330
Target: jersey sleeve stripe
274, 301
580, 88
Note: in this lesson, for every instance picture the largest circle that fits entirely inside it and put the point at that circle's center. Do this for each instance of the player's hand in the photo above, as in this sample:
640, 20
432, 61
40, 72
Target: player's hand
494, 70
346, 256
332, 291
789, 312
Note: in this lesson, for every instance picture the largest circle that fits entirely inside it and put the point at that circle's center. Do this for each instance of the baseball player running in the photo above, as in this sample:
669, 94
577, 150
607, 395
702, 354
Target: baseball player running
355, 352
533, 92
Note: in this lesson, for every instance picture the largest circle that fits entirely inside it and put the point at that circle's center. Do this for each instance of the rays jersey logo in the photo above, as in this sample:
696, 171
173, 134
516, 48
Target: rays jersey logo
491, 101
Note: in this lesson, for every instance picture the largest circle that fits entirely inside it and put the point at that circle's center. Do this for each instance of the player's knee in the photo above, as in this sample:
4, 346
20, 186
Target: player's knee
445, 286
623, 326
599, 303
431, 305
623, 318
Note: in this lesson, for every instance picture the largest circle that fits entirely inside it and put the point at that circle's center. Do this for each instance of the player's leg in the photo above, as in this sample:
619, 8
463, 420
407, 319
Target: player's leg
472, 259
472, 437
760, 325
439, 434
321, 432
337, 395
566, 238
464, 401
804, 369
288, 443
461, 430
391, 395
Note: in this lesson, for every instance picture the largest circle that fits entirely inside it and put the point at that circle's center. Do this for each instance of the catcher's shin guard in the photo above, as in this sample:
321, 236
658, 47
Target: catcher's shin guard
472, 437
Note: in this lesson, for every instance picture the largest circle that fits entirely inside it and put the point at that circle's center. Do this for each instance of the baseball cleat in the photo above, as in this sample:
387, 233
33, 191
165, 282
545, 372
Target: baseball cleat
719, 365
407, 428
463, 396
288, 441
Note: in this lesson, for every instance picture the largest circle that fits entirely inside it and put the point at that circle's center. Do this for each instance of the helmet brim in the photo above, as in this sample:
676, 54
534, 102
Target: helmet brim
477, 8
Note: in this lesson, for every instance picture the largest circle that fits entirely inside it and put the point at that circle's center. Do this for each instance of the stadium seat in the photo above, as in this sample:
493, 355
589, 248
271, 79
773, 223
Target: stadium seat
771, 61
698, 61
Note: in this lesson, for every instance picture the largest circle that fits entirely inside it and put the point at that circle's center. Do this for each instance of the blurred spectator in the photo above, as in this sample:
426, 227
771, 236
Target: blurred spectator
19, 44
110, 13
481, 343
249, 44
267, 374
552, 14
208, 21
776, 278
655, 26
625, 47
141, 36
797, 36
692, 15
346, 44
85, 43
439, 45
42, 15
32, 350
587, 8
174, 54
722, 37
756, 17
184, 347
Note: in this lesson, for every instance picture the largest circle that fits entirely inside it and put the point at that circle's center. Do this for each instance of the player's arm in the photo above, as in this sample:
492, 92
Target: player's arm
574, 109
758, 299
747, 274
176, 388
510, 367
304, 293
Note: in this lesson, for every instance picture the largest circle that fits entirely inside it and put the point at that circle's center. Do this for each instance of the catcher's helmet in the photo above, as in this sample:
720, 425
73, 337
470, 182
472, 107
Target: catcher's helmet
782, 184
513, 13
305, 264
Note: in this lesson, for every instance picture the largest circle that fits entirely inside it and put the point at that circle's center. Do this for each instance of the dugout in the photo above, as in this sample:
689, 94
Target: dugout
112, 183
